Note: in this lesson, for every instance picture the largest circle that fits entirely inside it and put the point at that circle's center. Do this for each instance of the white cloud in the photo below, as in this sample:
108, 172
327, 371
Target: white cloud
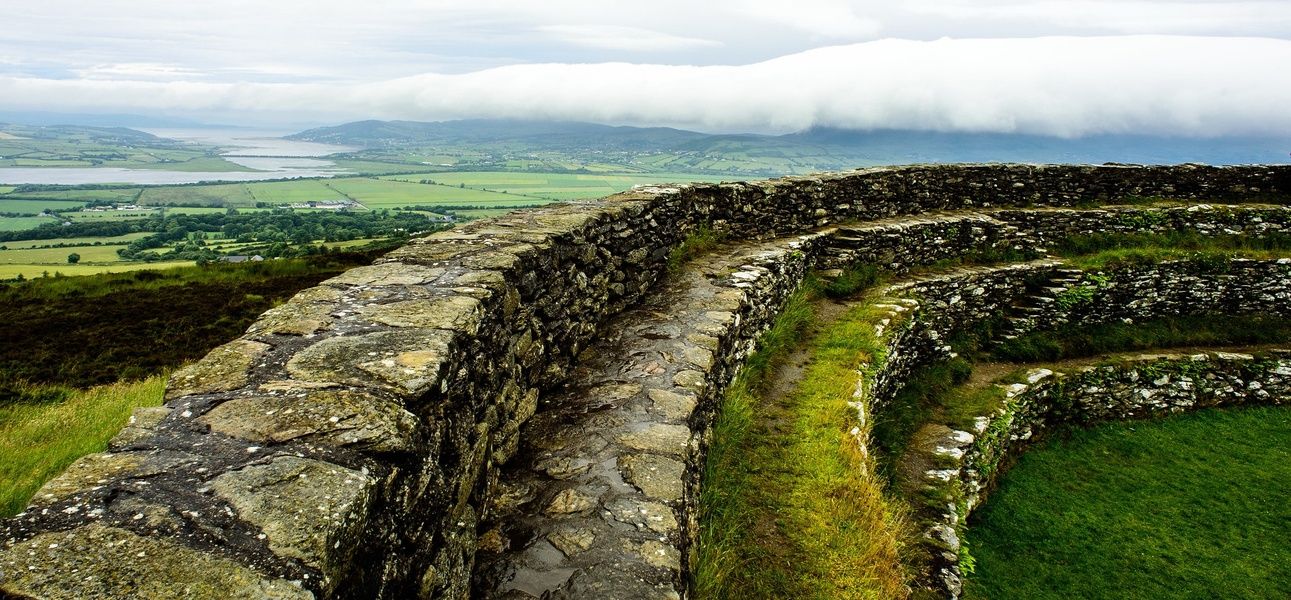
344, 40
138, 71
613, 37
1121, 16
1066, 86
822, 18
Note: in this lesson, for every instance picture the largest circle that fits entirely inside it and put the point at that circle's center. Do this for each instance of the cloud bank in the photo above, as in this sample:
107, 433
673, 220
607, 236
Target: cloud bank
1064, 86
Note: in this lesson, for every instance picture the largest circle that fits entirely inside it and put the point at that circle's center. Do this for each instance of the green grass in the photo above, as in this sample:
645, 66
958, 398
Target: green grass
113, 194
790, 507
853, 279
1205, 330
1193, 506
226, 195
35, 206
293, 192
925, 396
699, 242
380, 193
39, 440
1108, 250
58, 256
554, 186
32, 271
111, 240
109, 215
22, 223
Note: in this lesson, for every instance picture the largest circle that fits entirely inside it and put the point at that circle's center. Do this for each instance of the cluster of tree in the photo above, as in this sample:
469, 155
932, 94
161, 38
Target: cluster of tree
284, 232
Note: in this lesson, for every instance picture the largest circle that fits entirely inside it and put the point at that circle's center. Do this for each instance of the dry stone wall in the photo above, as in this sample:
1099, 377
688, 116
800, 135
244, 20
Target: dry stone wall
962, 465
955, 463
346, 446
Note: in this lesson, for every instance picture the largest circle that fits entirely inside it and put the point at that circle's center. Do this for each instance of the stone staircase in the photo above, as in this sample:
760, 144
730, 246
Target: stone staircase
600, 500
1037, 308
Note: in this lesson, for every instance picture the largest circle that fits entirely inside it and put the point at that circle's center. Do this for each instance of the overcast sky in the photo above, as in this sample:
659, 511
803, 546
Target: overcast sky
1063, 67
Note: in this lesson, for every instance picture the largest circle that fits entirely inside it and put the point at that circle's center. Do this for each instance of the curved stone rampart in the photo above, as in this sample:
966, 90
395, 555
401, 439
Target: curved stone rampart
954, 463
959, 466
347, 444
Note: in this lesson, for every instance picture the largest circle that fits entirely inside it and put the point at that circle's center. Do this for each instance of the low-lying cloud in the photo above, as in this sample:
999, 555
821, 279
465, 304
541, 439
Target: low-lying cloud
1065, 86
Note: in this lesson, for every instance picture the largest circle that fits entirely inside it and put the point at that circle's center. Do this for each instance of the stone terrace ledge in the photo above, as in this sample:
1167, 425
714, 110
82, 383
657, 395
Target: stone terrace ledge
345, 445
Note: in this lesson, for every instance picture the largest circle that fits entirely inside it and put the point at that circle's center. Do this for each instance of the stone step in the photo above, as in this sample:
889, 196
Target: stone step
595, 502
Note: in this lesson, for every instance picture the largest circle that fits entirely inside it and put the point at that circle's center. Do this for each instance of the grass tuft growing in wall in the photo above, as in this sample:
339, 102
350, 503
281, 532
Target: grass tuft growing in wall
699, 242
38, 440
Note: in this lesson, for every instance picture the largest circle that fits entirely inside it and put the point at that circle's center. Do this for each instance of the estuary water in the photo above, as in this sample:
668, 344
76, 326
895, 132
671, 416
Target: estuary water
266, 151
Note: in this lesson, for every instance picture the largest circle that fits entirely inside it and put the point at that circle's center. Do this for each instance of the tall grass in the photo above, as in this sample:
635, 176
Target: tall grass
1205, 330
39, 440
791, 507
1112, 249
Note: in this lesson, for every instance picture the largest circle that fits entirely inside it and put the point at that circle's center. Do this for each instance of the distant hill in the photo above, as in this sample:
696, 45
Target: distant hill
899, 146
112, 135
819, 149
548, 134
824, 147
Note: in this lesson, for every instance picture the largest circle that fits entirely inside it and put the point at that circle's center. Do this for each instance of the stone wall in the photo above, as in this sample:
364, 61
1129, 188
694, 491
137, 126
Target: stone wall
959, 459
897, 244
967, 463
345, 446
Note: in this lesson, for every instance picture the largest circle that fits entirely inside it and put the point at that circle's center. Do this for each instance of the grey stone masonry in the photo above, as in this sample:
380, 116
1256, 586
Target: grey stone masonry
950, 465
603, 504
347, 445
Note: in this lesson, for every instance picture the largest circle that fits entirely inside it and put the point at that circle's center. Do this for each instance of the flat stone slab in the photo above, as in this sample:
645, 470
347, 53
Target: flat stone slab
306, 508
95, 561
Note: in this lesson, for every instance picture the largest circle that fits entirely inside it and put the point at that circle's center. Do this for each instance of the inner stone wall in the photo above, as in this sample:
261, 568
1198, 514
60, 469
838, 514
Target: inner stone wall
962, 460
346, 445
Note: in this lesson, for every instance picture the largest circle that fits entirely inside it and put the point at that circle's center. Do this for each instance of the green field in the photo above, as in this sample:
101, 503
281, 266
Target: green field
552, 186
379, 193
109, 215
125, 195
114, 240
58, 256
22, 223
1193, 506
9, 205
31, 271
229, 194
293, 192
